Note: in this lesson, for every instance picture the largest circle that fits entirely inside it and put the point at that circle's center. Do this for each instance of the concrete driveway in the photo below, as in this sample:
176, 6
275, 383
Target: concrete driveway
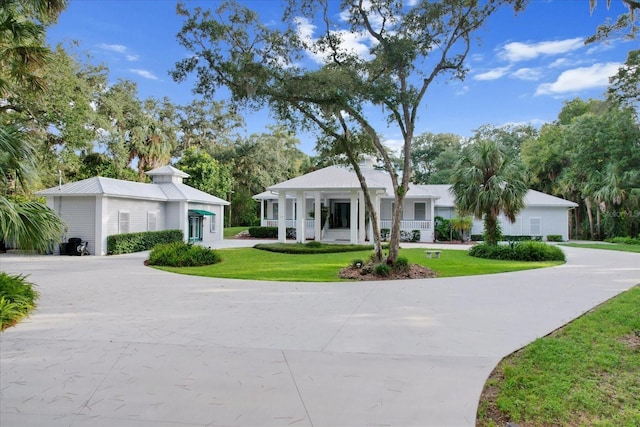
115, 343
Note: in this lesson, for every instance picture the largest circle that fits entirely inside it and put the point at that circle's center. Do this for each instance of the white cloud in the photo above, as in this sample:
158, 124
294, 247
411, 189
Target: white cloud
351, 43
144, 73
517, 51
118, 48
494, 74
462, 90
113, 47
560, 62
578, 79
531, 74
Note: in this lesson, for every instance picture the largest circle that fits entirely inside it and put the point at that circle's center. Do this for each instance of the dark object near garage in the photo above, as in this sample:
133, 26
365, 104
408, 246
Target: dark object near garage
72, 246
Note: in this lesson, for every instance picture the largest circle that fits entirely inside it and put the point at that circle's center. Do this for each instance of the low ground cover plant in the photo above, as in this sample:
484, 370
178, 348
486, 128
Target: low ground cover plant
622, 247
17, 299
521, 251
181, 254
624, 240
586, 373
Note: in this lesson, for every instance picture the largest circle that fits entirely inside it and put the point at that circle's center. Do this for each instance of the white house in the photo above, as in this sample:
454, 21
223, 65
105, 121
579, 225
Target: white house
298, 202
98, 207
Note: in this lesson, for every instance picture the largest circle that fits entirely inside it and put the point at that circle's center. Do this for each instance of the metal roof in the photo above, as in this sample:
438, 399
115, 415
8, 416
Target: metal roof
169, 191
532, 198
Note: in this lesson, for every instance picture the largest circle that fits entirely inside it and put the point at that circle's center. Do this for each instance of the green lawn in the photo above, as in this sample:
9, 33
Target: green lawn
250, 263
608, 246
585, 374
230, 232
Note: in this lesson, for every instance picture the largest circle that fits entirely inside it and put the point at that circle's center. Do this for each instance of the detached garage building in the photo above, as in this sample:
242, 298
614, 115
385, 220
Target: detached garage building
98, 207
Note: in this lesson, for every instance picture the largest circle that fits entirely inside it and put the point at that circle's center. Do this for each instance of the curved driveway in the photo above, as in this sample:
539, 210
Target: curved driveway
114, 343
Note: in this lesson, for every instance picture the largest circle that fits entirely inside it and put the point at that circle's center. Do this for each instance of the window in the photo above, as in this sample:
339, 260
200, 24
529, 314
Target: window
123, 222
152, 221
195, 227
419, 211
535, 226
275, 210
212, 223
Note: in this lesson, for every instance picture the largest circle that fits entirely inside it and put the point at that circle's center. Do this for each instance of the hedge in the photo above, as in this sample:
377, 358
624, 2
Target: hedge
521, 251
270, 232
136, 242
507, 238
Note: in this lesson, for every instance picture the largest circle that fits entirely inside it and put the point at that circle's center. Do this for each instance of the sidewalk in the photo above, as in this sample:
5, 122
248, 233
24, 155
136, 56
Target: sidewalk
115, 343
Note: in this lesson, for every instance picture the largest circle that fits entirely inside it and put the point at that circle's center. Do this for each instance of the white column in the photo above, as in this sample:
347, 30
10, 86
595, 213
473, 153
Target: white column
361, 218
432, 234
317, 215
101, 223
183, 214
301, 215
262, 212
282, 212
353, 227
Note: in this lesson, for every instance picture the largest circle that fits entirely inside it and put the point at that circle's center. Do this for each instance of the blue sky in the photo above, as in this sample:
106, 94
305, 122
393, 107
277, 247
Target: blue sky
522, 71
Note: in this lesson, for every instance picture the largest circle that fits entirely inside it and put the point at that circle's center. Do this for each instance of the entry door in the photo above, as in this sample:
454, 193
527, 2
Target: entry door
342, 214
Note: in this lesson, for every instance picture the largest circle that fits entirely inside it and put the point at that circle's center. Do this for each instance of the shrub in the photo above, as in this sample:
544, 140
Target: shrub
554, 238
299, 248
264, 232
17, 299
382, 270
521, 251
624, 240
314, 244
137, 242
401, 264
384, 234
180, 254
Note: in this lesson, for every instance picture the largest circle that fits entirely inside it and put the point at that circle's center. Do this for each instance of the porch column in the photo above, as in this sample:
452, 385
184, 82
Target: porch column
282, 212
353, 227
361, 218
432, 230
317, 215
300, 217
262, 212
101, 230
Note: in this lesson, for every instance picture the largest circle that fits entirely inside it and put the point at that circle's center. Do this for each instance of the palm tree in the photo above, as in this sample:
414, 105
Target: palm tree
461, 224
27, 223
487, 182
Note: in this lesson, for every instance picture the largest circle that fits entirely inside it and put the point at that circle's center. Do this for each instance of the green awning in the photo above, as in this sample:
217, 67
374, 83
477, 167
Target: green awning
200, 212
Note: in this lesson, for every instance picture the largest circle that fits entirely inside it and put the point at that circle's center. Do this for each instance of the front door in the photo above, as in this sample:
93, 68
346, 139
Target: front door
341, 215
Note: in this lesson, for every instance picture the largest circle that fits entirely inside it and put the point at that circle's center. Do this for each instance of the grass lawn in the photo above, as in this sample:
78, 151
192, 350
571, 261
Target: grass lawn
250, 263
608, 246
230, 232
584, 374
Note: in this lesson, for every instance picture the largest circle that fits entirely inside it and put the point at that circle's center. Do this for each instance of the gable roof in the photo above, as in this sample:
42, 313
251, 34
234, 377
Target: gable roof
168, 191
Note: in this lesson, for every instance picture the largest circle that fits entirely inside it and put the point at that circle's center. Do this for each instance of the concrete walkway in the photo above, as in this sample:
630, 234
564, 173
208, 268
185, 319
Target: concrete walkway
114, 343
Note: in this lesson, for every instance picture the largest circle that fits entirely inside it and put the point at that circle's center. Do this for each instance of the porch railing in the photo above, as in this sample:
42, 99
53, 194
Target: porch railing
407, 225
290, 223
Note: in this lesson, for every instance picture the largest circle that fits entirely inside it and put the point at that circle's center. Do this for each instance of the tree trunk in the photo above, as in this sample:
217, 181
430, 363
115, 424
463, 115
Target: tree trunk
491, 229
587, 202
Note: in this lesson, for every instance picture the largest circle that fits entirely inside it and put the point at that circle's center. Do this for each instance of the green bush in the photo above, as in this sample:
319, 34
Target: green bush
624, 240
357, 263
264, 232
17, 299
401, 264
180, 254
382, 270
554, 238
521, 251
136, 242
314, 244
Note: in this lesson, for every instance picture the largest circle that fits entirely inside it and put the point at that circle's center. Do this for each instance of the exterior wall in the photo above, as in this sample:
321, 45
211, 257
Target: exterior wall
210, 235
138, 215
78, 214
551, 220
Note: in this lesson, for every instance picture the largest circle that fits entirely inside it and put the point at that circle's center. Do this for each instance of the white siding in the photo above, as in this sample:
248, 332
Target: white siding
209, 237
552, 220
79, 214
138, 214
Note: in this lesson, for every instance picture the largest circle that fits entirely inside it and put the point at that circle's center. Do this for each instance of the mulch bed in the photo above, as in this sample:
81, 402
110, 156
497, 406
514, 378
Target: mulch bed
367, 272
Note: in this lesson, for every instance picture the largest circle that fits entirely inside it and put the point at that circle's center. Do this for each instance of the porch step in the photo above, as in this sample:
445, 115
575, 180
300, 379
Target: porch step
336, 235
